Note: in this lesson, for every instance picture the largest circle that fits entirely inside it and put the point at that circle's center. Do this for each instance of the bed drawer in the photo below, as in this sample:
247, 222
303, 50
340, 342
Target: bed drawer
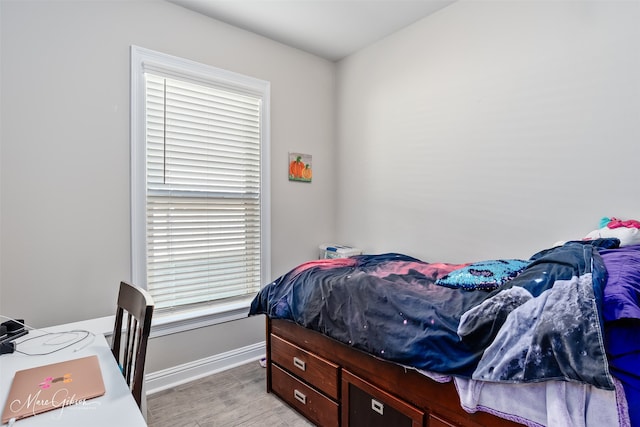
318, 408
436, 421
365, 405
320, 373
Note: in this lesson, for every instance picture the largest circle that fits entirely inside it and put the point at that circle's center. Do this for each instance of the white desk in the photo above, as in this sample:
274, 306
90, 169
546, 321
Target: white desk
115, 408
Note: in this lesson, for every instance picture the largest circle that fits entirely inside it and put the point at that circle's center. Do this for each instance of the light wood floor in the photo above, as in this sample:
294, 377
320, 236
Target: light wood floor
236, 397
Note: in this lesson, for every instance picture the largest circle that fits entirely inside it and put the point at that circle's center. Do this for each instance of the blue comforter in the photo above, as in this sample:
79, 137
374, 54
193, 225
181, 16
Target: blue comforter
544, 324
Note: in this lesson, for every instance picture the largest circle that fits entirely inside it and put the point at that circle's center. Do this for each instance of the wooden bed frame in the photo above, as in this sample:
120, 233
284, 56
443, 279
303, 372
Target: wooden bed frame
332, 384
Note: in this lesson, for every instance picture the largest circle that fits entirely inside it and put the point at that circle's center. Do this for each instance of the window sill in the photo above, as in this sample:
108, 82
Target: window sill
172, 323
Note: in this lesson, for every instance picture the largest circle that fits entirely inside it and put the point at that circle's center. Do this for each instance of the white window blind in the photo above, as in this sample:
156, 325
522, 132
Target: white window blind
203, 196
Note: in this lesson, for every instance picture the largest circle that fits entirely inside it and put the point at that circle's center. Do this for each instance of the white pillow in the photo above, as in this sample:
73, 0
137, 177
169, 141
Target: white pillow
627, 236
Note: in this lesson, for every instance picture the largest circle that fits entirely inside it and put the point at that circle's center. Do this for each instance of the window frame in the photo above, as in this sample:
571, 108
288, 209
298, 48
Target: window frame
145, 59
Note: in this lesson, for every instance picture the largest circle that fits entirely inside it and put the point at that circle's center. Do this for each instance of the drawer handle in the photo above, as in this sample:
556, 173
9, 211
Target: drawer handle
377, 406
299, 363
300, 396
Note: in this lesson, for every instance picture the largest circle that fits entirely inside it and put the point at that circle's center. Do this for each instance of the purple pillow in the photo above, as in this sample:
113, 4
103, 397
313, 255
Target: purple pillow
622, 292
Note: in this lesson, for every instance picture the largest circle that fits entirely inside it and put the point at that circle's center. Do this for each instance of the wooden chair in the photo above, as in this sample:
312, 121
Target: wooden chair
137, 305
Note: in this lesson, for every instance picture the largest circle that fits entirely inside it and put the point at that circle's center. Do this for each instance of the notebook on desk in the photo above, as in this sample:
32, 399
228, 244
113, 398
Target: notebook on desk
54, 386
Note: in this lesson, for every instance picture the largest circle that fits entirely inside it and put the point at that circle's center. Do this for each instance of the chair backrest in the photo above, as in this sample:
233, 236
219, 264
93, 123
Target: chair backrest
136, 305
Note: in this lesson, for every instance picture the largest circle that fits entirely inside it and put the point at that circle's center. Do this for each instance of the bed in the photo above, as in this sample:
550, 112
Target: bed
392, 340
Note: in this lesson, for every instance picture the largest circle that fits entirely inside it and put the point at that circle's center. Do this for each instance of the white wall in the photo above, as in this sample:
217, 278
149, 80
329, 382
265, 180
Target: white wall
488, 129
491, 129
64, 194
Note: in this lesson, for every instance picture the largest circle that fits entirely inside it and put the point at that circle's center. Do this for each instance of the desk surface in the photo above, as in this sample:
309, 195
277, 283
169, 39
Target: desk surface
115, 408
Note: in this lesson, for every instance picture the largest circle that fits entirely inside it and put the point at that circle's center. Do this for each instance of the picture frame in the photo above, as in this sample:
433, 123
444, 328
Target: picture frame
300, 167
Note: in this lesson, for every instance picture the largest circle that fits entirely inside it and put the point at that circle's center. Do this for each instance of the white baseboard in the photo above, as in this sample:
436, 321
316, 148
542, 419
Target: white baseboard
176, 375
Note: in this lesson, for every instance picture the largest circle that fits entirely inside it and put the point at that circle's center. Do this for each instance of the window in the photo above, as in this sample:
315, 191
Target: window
199, 140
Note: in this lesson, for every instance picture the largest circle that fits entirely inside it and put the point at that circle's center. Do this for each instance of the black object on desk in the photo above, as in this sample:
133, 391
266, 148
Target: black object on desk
10, 330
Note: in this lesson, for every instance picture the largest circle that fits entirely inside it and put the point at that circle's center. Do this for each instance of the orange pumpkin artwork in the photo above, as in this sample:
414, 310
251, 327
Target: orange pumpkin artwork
300, 167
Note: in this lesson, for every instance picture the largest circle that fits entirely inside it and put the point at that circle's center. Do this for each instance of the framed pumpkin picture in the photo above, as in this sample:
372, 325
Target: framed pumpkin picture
300, 167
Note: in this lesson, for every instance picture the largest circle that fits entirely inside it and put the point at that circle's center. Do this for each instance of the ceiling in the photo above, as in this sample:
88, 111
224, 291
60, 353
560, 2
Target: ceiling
331, 29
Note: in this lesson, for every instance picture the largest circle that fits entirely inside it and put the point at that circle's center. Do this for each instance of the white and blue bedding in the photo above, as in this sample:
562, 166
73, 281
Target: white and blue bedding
542, 319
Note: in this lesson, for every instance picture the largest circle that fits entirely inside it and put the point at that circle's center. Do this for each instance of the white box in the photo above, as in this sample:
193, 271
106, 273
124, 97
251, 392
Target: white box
330, 251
